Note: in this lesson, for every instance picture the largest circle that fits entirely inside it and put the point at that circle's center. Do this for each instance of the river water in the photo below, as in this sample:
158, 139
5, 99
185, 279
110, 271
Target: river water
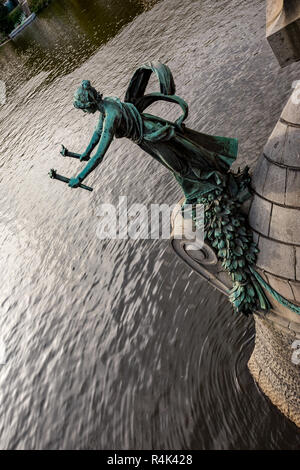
116, 344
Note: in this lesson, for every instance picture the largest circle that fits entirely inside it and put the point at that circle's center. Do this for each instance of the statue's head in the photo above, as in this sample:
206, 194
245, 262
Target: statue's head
87, 98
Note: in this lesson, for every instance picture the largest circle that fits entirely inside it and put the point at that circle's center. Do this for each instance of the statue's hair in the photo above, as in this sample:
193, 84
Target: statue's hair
86, 96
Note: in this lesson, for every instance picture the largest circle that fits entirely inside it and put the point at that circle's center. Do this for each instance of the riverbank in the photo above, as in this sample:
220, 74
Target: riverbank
16, 16
38, 5
22, 26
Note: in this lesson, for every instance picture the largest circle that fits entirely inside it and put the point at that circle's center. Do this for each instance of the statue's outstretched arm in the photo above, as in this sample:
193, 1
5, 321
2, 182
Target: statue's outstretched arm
94, 140
93, 143
107, 136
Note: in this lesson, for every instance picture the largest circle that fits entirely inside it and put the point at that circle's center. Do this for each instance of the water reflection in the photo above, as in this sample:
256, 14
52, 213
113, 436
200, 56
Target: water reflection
117, 344
64, 35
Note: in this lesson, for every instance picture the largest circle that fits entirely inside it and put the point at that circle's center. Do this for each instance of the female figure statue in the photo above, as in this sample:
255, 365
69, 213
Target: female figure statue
199, 162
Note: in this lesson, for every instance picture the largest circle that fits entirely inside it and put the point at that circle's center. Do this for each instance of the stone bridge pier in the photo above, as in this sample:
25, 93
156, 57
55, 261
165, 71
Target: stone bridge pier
274, 216
283, 30
275, 219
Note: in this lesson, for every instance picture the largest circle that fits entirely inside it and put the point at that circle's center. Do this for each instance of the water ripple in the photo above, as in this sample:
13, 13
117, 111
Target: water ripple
116, 344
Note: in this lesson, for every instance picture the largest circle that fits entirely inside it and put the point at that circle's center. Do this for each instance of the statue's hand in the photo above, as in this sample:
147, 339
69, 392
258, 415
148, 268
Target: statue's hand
84, 156
74, 182
64, 151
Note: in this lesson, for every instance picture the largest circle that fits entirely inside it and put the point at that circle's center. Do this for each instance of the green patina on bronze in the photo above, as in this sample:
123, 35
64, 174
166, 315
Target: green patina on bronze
199, 162
228, 233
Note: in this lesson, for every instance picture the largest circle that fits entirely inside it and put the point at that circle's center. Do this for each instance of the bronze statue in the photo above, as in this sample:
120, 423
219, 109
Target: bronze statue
199, 162
195, 159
